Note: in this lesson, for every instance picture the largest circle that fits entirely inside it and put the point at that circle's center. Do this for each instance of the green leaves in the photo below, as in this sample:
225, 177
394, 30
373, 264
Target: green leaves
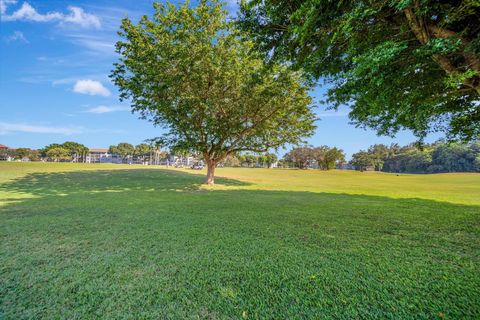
189, 71
399, 64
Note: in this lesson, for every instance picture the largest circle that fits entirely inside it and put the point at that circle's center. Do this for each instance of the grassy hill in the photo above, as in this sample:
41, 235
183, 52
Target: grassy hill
86, 241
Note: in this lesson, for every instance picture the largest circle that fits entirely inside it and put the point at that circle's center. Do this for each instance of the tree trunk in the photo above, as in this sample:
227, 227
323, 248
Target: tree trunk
422, 32
211, 164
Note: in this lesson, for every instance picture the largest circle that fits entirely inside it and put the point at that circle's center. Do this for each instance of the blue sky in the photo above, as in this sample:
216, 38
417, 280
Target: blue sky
55, 57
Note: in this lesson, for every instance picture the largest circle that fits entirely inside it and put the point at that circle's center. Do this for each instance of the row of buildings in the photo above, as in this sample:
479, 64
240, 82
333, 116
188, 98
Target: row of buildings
5, 153
96, 155
155, 158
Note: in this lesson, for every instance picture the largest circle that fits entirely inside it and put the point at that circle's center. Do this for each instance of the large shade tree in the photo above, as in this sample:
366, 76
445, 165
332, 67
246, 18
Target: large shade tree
187, 70
399, 64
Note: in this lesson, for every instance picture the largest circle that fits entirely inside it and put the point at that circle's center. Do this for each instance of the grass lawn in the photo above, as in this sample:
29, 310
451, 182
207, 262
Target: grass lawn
85, 241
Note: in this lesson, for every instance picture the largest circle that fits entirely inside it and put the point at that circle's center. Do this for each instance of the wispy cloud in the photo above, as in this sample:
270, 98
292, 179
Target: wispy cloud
107, 109
101, 45
9, 127
79, 17
4, 4
111, 16
91, 87
26, 12
17, 36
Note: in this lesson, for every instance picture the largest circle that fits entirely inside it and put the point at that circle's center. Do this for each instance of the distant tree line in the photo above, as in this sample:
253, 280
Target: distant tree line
431, 158
437, 157
249, 160
67, 151
73, 151
19, 153
126, 150
323, 157
143, 151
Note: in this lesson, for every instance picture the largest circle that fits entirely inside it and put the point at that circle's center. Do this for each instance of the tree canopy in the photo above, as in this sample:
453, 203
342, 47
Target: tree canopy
327, 158
123, 149
142, 150
431, 158
324, 157
71, 150
399, 64
58, 153
187, 70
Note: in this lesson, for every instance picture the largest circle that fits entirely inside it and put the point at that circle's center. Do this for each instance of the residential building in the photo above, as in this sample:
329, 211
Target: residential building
100, 156
4, 154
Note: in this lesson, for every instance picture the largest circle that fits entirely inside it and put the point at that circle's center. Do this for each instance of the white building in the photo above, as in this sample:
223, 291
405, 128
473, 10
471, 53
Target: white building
100, 156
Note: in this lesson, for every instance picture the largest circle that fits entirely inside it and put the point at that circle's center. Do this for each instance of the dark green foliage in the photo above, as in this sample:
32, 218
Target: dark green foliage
123, 149
455, 158
251, 160
411, 64
75, 147
58, 154
270, 159
47, 148
69, 150
435, 158
362, 161
327, 158
322, 157
142, 150
21, 153
300, 157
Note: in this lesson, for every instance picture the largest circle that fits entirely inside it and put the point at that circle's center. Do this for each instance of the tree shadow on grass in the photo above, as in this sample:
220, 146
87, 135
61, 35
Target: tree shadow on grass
118, 243
94, 181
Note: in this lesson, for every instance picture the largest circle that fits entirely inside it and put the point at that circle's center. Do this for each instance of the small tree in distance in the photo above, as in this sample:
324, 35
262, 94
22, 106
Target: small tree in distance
143, 150
75, 151
300, 157
362, 160
271, 158
326, 158
58, 154
123, 149
188, 71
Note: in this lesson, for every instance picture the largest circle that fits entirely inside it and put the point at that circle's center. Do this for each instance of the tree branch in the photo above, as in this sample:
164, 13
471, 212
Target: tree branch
421, 32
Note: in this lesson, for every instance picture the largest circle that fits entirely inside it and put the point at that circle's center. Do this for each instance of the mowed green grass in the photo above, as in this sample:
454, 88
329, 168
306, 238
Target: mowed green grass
132, 242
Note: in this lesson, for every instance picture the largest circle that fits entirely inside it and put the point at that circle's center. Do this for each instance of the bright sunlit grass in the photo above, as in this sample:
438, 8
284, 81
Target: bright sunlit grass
113, 241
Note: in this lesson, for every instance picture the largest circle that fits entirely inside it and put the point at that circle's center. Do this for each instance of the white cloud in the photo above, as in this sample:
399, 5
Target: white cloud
78, 16
8, 127
4, 4
91, 87
106, 109
28, 13
17, 36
